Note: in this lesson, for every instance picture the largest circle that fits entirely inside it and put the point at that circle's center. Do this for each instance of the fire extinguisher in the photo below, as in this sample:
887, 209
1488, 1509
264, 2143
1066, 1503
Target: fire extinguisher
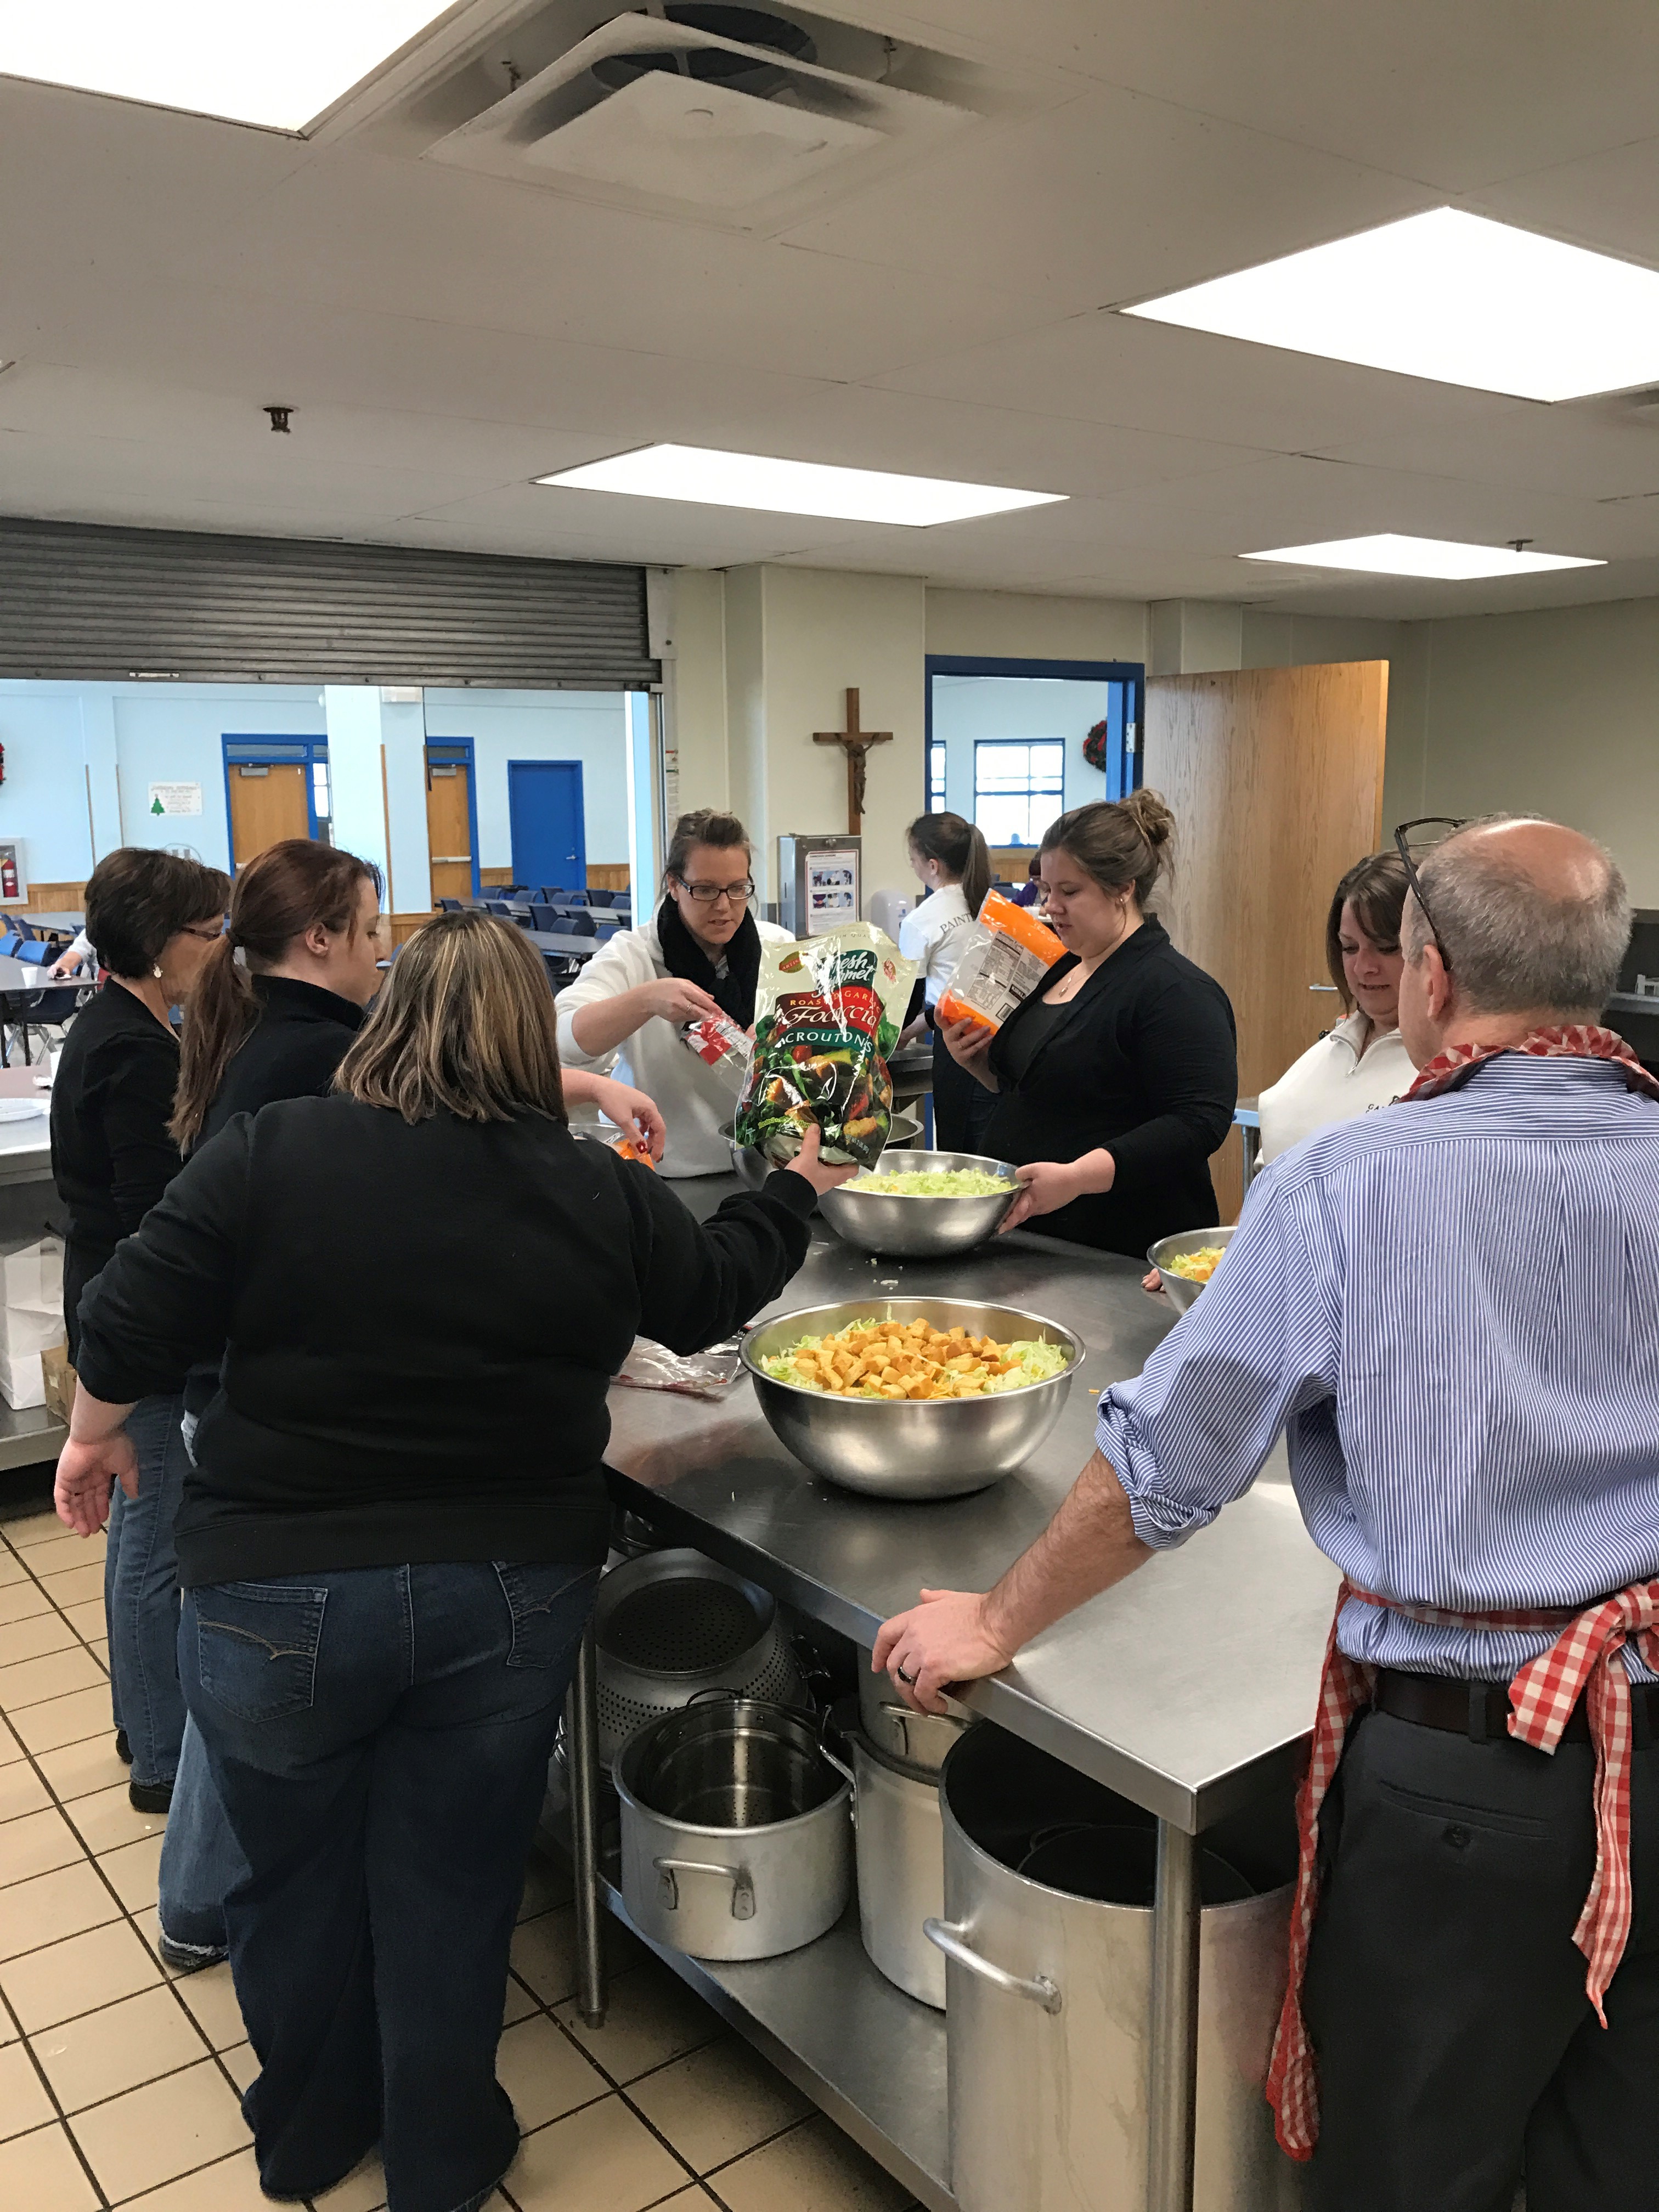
8, 876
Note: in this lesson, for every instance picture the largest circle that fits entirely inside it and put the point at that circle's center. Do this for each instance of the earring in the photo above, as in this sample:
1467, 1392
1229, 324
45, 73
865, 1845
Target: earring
156, 971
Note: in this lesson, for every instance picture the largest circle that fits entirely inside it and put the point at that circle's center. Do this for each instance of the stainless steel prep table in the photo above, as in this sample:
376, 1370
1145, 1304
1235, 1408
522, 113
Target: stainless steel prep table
1188, 1688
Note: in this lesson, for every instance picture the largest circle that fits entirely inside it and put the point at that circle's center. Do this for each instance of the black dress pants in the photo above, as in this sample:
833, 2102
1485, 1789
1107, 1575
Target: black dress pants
1445, 1996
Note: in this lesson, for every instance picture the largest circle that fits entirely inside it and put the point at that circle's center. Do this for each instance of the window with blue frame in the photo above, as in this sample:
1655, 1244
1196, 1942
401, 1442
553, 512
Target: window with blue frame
1018, 789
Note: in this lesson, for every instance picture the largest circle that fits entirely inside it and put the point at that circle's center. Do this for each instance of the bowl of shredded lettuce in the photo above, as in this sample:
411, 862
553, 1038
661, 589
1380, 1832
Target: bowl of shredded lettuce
922, 1205
911, 1397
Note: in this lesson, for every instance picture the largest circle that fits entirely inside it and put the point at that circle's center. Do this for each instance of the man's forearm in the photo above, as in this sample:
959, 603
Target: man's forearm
1089, 1545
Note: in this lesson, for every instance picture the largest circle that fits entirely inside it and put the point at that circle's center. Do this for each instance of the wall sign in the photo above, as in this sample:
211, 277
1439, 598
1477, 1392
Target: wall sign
175, 799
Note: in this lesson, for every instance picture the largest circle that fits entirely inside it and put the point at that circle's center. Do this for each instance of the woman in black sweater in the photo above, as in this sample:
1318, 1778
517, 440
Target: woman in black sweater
1116, 1080
390, 1541
157, 918
274, 1011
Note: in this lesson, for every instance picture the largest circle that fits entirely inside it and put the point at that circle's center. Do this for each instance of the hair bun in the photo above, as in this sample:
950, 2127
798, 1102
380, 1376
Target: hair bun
1153, 816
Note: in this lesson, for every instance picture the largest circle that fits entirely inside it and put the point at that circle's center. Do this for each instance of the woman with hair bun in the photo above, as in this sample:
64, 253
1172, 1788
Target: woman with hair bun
700, 955
1116, 1080
950, 856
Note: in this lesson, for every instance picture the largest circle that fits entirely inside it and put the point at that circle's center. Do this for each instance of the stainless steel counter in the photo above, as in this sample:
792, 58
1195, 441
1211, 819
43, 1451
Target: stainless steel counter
1186, 1688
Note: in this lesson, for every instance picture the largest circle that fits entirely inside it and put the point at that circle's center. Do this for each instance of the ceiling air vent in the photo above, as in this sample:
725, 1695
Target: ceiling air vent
749, 116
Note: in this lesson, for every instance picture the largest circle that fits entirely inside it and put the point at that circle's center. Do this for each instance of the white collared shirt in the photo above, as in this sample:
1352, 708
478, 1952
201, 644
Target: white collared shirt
1333, 1081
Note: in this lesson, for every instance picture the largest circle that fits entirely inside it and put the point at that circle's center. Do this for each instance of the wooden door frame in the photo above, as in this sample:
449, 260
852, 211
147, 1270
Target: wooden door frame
1123, 769
581, 810
457, 753
263, 750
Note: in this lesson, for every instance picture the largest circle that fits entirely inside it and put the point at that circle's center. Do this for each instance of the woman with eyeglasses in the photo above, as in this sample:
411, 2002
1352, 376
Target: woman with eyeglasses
699, 955
1360, 1064
154, 918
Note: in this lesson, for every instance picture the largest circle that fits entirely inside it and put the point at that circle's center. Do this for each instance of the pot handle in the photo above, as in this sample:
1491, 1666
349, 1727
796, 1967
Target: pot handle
668, 1889
948, 1939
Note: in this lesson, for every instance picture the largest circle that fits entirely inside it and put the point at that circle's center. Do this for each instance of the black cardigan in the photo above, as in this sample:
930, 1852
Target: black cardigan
1144, 1062
112, 1157
302, 1035
423, 1323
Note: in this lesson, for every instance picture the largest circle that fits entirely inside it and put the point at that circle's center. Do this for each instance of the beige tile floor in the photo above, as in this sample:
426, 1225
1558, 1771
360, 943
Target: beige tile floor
119, 2082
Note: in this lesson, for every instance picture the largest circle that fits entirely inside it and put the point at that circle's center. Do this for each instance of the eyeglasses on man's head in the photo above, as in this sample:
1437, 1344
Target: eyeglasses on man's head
1414, 841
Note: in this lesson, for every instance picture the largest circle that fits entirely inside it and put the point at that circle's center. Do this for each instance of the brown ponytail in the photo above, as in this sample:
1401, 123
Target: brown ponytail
1118, 842
290, 888
958, 845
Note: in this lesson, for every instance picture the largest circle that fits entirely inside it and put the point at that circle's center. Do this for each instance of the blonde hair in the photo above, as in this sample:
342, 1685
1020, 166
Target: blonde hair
465, 1026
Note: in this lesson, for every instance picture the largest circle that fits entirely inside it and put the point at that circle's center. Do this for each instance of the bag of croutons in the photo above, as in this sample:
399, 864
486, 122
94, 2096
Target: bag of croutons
827, 1014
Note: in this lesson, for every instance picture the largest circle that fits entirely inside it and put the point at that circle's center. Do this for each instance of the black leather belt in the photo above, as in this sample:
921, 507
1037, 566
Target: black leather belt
1480, 1710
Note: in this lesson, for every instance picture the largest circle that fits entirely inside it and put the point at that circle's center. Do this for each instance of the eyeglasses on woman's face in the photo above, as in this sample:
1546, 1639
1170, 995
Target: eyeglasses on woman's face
1414, 841
210, 932
708, 894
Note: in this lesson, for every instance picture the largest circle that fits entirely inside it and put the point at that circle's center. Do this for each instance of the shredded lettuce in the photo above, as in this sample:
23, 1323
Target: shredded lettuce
936, 1182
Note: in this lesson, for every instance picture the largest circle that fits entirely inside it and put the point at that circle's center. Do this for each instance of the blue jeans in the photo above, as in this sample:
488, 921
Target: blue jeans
141, 1593
201, 1861
379, 1738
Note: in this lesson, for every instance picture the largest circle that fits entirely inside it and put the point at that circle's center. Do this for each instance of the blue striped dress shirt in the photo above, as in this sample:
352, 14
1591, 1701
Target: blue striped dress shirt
1451, 1308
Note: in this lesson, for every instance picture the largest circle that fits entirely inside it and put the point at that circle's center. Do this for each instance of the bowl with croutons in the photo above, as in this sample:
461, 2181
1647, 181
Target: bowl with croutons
911, 1397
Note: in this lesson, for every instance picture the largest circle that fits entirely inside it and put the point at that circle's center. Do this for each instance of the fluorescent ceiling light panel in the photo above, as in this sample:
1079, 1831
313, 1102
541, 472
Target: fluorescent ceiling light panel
1390, 555
279, 68
1450, 296
751, 480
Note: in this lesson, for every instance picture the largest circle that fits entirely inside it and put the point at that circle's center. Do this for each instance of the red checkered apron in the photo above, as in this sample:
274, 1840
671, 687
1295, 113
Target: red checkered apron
1582, 1661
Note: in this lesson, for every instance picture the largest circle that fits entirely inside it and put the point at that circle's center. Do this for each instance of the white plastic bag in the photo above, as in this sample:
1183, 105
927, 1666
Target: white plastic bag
31, 1315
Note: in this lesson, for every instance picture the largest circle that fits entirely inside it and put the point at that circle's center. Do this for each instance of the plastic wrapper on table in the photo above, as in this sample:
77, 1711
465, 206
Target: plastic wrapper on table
651, 1366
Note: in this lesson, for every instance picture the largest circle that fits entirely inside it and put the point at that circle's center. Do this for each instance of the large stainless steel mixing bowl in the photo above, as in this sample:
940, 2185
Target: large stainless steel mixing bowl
1178, 1289
904, 1447
752, 1168
919, 1228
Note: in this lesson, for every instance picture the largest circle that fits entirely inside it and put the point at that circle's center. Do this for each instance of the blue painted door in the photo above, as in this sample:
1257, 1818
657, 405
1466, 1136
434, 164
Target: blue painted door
545, 811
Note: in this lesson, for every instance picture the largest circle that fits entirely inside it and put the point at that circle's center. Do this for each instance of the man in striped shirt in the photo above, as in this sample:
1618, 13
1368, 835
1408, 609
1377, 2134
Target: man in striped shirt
1451, 1310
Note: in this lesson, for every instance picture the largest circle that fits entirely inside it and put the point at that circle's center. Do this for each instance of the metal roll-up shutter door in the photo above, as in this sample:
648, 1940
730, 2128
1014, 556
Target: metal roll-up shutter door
81, 600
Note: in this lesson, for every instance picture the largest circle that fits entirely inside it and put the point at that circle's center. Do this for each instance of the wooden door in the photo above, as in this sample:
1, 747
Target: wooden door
449, 829
1275, 777
267, 804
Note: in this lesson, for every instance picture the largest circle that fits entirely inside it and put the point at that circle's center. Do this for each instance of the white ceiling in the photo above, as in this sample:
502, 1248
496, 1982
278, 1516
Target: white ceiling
446, 336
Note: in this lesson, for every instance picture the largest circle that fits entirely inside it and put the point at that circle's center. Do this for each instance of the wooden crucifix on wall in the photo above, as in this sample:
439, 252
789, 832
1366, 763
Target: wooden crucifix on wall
857, 743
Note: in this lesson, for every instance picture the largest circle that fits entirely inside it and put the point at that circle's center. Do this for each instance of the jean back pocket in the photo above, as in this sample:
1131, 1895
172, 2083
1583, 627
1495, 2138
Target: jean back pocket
549, 1605
256, 1646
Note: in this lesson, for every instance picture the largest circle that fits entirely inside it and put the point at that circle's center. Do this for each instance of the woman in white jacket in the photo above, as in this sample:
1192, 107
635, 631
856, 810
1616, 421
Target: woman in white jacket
699, 954
950, 856
1360, 1065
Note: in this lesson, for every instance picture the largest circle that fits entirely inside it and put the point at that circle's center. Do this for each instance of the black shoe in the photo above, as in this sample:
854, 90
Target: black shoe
187, 1958
123, 1748
150, 1796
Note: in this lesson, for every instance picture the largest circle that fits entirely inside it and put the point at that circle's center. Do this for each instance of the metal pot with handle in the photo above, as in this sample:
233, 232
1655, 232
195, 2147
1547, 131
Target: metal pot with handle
737, 1839
901, 1862
1050, 1989
896, 1730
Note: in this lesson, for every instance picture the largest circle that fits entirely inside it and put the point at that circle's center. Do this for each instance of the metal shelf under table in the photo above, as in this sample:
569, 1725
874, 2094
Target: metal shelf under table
866, 2055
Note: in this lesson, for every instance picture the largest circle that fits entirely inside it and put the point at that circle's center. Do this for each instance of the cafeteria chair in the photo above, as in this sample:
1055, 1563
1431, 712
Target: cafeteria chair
450, 905
552, 893
577, 898
500, 909
36, 952
10, 943
601, 898
544, 919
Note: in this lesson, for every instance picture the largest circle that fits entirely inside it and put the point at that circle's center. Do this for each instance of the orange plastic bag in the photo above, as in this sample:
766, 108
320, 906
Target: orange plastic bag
626, 1149
1009, 953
